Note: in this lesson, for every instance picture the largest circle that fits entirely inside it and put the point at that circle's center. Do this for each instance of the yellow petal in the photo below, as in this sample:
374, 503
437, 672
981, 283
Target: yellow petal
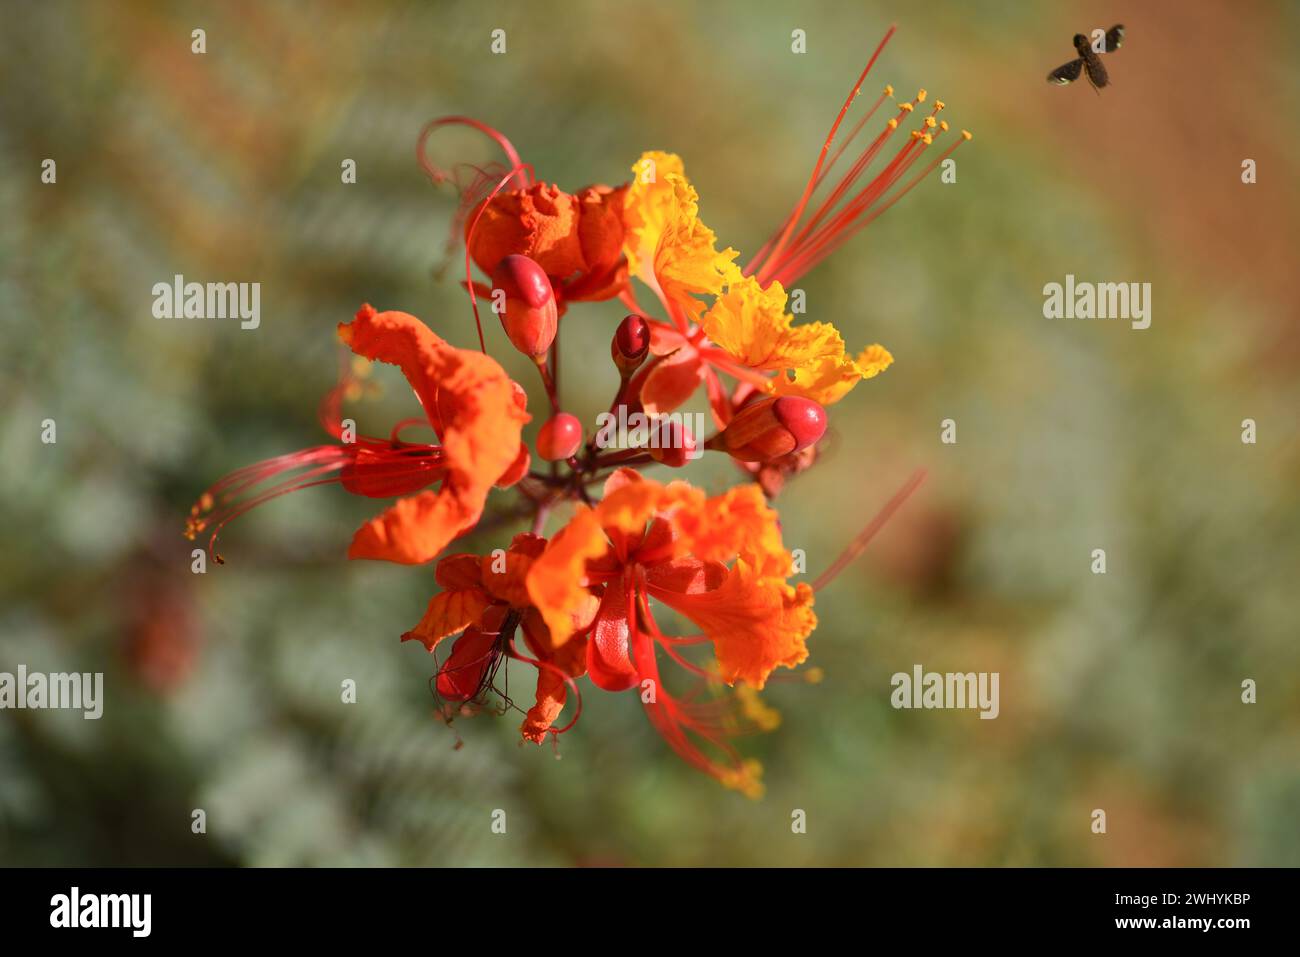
829, 378
750, 323
667, 245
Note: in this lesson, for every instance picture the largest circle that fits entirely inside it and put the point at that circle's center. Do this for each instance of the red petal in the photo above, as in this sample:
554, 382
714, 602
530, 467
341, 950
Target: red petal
461, 677
608, 663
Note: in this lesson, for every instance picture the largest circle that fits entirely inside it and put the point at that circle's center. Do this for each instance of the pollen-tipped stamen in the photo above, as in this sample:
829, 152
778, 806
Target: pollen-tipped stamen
813, 180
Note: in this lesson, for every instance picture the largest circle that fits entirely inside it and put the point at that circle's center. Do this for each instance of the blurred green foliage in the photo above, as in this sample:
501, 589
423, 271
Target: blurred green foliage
1119, 692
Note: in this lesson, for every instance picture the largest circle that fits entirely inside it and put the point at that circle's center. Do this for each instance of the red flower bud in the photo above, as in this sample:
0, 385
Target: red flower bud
772, 427
672, 444
631, 344
530, 317
559, 437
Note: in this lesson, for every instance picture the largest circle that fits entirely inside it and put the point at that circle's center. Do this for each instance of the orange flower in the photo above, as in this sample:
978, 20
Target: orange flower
669, 542
484, 599
474, 408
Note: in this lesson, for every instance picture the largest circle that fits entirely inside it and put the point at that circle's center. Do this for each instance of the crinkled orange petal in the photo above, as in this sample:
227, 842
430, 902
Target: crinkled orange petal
756, 623
540, 222
557, 582
480, 425
600, 226
687, 576
448, 613
738, 523
630, 501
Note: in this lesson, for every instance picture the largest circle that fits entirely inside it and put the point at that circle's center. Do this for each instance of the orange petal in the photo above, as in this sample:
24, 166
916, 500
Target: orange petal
540, 222
738, 523
750, 323
756, 623
557, 582
631, 501
552, 688
448, 613
552, 691
672, 381
504, 576
479, 418
461, 570
415, 529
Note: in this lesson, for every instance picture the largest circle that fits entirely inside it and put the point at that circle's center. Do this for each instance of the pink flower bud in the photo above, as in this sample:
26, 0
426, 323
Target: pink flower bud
772, 427
530, 317
672, 444
631, 344
559, 437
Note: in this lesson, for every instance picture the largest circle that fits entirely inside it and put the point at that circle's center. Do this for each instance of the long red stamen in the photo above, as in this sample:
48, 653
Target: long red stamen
683, 722
469, 269
438, 175
851, 219
226, 500
856, 547
796, 248
821, 158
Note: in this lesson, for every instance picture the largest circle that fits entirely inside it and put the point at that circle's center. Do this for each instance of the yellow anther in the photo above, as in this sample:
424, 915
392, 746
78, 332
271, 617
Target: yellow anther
943, 125
927, 139
939, 105
889, 89
905, 106
893, 124
920, 96
814, 675
916, 134
929, 121
965, 134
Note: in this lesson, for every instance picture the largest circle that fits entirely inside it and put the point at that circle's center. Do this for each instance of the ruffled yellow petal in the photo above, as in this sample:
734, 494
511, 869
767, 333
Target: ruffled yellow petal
751, 325
666, 244
829, 378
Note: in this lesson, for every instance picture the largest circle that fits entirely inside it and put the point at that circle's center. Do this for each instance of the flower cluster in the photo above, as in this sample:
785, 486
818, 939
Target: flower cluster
635, 551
